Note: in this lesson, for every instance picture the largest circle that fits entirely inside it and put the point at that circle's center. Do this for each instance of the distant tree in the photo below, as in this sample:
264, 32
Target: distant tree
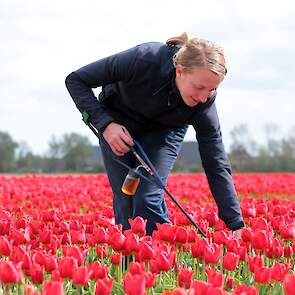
54, 161
7, 153
240, 147
273, 145
76, 152
287, 159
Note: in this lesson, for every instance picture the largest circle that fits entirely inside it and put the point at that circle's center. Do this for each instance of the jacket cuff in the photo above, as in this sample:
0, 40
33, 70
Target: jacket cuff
103, 123
236, 224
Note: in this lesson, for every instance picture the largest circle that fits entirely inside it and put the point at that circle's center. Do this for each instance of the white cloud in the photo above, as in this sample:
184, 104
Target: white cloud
43, 41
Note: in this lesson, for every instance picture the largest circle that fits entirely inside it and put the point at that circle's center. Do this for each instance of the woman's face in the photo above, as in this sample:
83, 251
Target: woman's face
196, 85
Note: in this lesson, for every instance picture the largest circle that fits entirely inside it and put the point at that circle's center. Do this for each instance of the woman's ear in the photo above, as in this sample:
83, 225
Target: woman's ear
178, 71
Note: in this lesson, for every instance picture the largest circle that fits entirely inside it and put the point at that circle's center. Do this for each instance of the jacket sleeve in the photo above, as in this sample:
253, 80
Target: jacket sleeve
108, 70
216, 165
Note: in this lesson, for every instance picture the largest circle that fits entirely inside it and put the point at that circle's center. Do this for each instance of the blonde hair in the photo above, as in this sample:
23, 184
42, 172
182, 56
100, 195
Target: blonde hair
197, 52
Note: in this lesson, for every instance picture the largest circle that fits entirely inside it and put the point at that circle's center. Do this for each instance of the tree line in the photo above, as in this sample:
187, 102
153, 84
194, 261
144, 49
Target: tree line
73, 152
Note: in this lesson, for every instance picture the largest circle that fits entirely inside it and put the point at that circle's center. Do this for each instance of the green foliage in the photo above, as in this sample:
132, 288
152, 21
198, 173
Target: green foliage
74, 153
7, 153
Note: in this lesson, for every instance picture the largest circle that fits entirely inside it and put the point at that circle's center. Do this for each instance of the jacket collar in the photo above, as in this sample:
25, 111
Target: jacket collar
167, 72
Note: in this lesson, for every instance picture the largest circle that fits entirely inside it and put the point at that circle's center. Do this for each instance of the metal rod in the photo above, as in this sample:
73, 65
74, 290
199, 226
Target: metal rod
185, 213
149, 170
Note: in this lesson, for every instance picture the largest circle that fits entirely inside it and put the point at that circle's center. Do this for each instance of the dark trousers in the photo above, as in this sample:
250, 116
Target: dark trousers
162, 148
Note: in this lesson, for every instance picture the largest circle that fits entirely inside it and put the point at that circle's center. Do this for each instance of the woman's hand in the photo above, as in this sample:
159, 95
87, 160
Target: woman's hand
237, 233
118, 137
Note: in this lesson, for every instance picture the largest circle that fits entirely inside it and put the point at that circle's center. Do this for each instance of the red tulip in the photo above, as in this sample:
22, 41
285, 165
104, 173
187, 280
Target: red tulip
232, 245
198, 248
154, 268
145, 251
287, 231
261, 208
54, 245
260, 223
165, 260
177, 291
99, 271
248, 210
199, 287
243, 290
242, 252
19, 236
220, 225
150, 279
5, 215
81, 276
117, 241
100, 235
212, 218
116, 258
230, 261
101, 251
39, 257
288, 252
65, 239
53, 288
276, 221
247, 234
75, 252
230, 283
49, 215
138, 225
289, 284
185, 247
19, 254
185, 278
5, 247
36, 272
134, 285
192, 235
78, 236
220, 237
166, 232
260, 240
254, 262
55, 275
136, 268
212, 253
4, 227
131, 242
215, 278
104, 286
216, 291
46, 236
279, 271
51, 263
9, 273
276, 250
67, 267
181, 235
262, 275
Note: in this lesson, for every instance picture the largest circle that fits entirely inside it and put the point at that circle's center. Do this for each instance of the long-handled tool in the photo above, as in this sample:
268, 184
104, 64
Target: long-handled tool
147, 165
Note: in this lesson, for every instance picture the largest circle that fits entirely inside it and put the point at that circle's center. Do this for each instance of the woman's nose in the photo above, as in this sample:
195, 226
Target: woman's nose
203, 97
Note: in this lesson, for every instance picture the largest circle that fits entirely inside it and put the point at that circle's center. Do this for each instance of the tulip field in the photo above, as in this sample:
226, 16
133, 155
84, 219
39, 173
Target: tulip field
57, 236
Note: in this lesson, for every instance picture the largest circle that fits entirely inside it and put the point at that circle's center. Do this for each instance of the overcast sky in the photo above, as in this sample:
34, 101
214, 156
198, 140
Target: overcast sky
43, 41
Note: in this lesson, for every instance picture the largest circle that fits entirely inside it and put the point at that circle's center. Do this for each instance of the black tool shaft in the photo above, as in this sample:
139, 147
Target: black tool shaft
185, 213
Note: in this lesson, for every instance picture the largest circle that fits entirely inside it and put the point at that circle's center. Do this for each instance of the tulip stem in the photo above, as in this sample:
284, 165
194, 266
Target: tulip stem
79, 290
7, 290
196, 268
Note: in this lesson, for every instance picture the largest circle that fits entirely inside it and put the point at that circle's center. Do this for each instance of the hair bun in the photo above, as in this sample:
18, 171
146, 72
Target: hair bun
178, 41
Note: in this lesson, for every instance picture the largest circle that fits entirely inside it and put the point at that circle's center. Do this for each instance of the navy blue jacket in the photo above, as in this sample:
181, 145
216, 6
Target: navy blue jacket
139, 92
